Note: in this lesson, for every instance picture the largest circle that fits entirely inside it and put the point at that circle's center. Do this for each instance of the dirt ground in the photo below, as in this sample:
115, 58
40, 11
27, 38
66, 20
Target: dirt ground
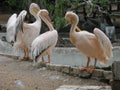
21, 75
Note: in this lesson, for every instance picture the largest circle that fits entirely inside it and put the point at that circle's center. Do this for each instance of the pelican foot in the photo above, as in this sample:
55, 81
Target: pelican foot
43, 62
26, 58
90, 70
82, 68
47, 62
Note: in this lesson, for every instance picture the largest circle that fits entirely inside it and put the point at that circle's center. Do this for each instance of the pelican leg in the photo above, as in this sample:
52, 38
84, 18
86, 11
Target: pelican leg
34, 62
90, 70
26, 54
43, 60
48, 58
87, 66
95, 63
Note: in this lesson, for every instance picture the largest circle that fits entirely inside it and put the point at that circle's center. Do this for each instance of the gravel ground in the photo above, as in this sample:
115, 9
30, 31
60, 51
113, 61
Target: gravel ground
21, 75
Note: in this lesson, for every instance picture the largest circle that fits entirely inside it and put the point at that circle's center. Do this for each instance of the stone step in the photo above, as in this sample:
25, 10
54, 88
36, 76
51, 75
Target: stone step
75, 87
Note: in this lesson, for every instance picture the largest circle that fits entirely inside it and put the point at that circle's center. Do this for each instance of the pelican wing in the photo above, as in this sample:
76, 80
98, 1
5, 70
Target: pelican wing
43, 42
11, 27
12, 20
19, 23
104, 42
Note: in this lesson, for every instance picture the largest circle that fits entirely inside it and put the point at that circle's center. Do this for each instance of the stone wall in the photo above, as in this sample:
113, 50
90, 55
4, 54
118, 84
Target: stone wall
116, 75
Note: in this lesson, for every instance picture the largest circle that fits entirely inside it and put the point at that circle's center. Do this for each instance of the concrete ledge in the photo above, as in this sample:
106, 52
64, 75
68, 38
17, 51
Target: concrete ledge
74, 71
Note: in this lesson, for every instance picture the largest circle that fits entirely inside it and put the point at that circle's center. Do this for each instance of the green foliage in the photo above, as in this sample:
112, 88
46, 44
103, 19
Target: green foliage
59, 22
58, 14
11, 2
18, 4
102, 2
49, 6
57, 10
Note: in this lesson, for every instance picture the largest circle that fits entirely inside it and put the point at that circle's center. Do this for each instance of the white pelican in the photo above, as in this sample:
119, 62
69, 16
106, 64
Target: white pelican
95, 45
45, 42
29, 33
11, 28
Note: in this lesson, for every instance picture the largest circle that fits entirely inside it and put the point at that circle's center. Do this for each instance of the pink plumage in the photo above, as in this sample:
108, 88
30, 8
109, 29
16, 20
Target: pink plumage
94, 45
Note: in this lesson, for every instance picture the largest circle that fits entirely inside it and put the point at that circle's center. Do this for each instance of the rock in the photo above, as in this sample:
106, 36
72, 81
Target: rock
66, 69
54, 67
98, 73
116, 70
40, 65
84, 74
115, 85
42, 69
108, 75
74, 71
50, 67
58, 67
54, 77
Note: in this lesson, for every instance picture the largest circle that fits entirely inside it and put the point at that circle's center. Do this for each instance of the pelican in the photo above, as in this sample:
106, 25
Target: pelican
30, 31
11, 28
45, 42
94, 45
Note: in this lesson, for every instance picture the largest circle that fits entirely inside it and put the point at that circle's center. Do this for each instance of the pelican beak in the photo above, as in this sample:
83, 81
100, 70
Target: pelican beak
67, 23
35, 10
78, 29
48, 18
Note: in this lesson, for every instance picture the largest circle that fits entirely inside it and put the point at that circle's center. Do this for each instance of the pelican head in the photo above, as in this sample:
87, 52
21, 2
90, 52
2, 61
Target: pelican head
34, 8
72, 18
22, 13
44, 14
